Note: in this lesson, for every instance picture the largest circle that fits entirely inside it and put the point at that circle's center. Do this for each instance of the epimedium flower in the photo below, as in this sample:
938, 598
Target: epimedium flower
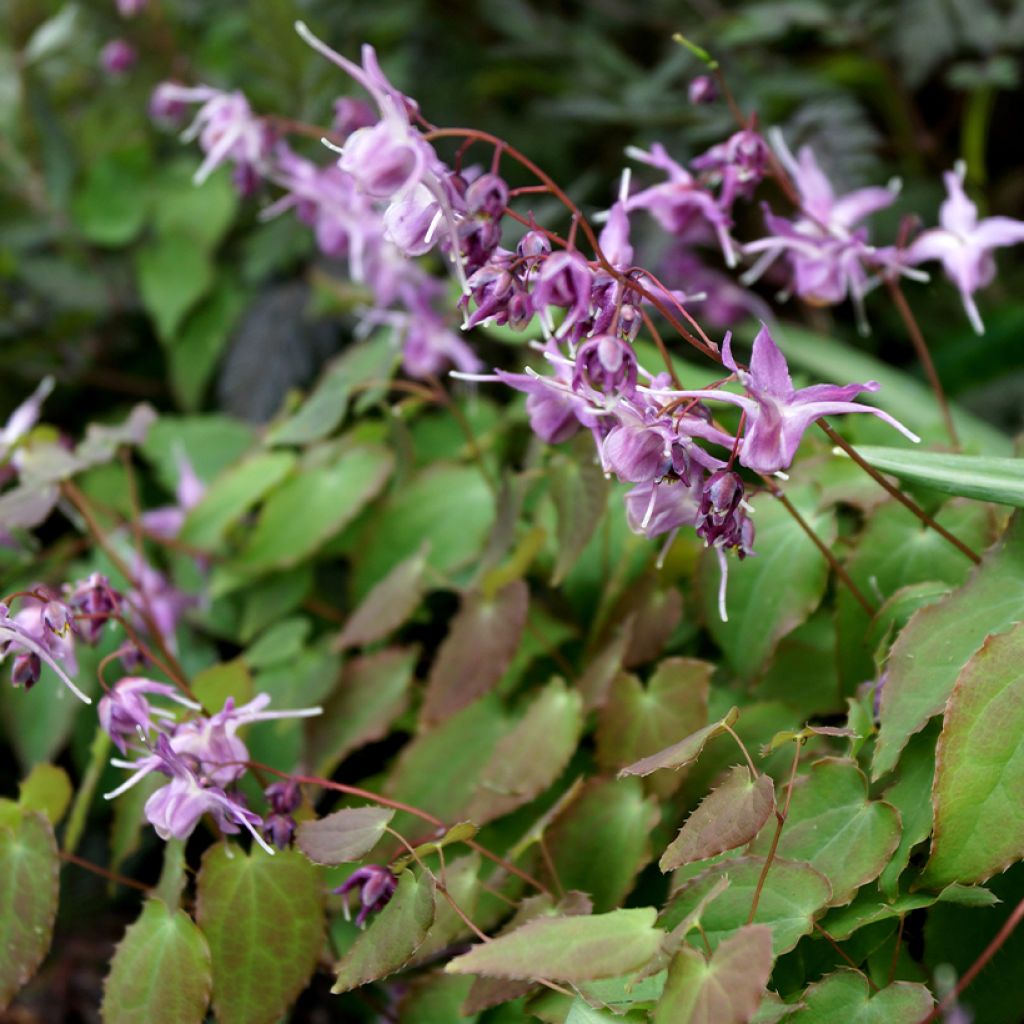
36, 645
964, 244
376, 885
167, 520
118, 57
125, 711
776, 413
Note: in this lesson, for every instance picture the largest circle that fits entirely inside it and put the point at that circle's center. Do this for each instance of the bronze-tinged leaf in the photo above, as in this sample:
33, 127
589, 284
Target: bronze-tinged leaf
161, 972
481, 642
263, 917
488, 992
387, 605
657, 614
462, 883
392, 938
29, 872
638, 721
683, 752
372, 693
532, 756
602, 669
729, 816
580, 493
979, 767
846, 998
568, 948
344, 836
726, 989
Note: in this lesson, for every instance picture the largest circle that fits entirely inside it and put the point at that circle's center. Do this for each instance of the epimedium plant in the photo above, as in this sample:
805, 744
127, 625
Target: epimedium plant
699, 718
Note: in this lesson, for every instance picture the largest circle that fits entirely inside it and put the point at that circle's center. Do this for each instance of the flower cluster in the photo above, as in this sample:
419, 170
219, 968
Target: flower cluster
202, 756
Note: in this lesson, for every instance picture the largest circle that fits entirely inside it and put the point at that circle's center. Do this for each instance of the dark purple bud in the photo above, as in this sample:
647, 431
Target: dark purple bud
376, 885
520, 310
132, 657
118, 57
607, 364
246, 179
702, 90
279, 829
722, 520
284, 797
166, 105
630, 322
25, 670
93, 601
533, 246
488, 195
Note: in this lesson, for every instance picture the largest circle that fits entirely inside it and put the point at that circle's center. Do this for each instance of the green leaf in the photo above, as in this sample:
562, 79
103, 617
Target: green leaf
567, 948
372, 693
263, 917
438, 771
393, 937
614, 818
344, 836
685, 751
911, 401
726, 989
938, 641
160, 973
284, 641
532, 756
29, 873
582, 1013
770, 595
833, 826
638, 721
233, 494
461, 881
47, 789
312, 507
728, 817
793, 893
112, 204
197, 348
979, 773
173, 275
580, 493
482, 639
983, 477
387, 605
202, 213
215, 684
846, 998
325, 408
911, 795
211, 443
449, 507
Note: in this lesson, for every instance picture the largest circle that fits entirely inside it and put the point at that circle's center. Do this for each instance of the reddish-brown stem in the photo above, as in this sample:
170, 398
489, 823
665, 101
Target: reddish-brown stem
559, 193
837, 566
79, 500
972, 972
384, 801
909, 503
842, 952
746, 753
923, 354
780, 820
112, 876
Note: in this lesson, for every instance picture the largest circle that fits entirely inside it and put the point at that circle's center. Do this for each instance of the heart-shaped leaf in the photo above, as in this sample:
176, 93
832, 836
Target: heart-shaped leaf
344, 836
845, 998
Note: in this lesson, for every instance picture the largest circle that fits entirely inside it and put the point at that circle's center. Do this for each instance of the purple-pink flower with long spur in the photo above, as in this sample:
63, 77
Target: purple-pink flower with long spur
776, 413
31, 634
964, 243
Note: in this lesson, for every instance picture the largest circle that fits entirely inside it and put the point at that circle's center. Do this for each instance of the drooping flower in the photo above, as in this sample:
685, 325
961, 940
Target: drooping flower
118, 57
776, 413
124, 712
36, 644
964, 244
376, 885
94, 602
701, 90
167, 520
284, 799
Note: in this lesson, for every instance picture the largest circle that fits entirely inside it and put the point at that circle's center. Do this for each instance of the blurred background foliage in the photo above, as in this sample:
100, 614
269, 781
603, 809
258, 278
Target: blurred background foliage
125, 282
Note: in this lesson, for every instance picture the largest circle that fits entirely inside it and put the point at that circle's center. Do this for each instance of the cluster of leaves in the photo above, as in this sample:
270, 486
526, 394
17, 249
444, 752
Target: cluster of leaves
533, 726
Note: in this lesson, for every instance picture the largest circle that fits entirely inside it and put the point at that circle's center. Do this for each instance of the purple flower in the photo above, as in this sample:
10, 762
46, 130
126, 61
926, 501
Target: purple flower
376, 885
564, 280
826, 245
776, 413
125, 712
607, 364
656, 508
681, 201
94, 602
702, 89
279, 826
385, 159
351, 114
964, 244
737, 165
174, 810
118, 57
37, 644
430, 346
129, 8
